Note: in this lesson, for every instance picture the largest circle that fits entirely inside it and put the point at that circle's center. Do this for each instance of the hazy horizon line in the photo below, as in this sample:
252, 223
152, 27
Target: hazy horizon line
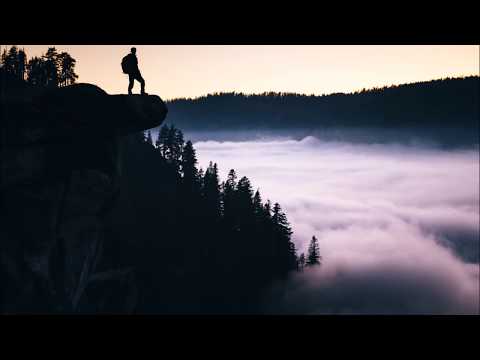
323, 94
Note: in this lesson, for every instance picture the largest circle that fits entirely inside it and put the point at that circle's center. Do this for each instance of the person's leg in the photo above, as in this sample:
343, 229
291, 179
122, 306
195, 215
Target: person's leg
141, 81
130, 83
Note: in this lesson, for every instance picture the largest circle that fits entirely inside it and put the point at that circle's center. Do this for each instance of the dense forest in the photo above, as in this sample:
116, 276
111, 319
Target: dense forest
197, 245
450, 102
52, 69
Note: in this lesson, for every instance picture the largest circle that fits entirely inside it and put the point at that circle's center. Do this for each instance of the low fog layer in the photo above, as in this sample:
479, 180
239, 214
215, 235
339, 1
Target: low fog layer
398, 225
446, 138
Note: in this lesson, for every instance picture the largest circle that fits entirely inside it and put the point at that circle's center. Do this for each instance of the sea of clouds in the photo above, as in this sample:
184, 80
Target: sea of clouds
398, 225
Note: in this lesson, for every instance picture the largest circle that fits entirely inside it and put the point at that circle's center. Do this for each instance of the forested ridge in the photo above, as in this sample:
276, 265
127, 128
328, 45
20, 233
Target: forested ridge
449, 102
197, 244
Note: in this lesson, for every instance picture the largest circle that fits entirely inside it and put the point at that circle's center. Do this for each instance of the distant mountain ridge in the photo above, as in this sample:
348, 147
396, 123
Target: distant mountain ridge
445, 103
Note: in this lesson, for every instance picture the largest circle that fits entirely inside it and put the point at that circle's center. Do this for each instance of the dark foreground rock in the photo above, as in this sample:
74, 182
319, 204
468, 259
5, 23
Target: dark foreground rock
61, 163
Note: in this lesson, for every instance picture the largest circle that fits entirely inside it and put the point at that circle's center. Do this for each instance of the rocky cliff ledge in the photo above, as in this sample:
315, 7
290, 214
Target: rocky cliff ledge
60, 168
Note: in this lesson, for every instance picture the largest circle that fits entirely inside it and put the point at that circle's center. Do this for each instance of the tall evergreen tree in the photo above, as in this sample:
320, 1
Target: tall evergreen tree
231, 183
284, 248
22, 64
268, 207
189, 166
36, 74
162, 141
67, 75
301, 262
313, 254
228, 197
244, 197
201, 179
174, 146
280, 221
178, 143
51, 67
170, 143
258, 208
10, 60
211, 191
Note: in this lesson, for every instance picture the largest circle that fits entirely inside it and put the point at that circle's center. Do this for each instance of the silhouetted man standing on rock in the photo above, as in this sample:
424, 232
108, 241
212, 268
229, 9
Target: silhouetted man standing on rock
130, 67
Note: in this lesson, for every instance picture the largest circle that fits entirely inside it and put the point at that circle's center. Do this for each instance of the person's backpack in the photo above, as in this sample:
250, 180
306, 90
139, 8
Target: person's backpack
127, 64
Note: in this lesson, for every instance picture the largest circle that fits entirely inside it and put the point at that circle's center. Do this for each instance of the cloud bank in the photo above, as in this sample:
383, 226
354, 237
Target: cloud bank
398, 226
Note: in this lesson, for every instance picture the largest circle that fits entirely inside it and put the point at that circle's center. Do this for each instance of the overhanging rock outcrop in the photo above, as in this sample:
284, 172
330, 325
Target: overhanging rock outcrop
60, 159
66, 114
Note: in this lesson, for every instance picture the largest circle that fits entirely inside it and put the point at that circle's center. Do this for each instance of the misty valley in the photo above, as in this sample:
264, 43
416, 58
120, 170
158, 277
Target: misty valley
397, 234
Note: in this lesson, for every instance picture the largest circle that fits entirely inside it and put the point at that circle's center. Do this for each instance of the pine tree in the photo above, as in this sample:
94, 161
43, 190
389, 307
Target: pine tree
280, 221
244, 196
243, 202
301, 262
10, 60
189, 166
211, 191
162, 140
230, 186
171, 144
313, 254
22, 64
292, 259
36, 72
258, 208
267, 210
228, 198
176, 145
201, 177
284, 248
67, 75
51, 67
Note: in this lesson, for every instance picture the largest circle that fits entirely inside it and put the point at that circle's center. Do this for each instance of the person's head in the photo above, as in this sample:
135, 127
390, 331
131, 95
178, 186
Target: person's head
133, 50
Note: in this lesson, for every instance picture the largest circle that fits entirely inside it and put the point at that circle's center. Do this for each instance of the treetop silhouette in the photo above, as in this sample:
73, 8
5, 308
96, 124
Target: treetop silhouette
52, 69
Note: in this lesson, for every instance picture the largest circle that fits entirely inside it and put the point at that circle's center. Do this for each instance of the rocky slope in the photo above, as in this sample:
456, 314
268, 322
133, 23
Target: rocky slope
61, 163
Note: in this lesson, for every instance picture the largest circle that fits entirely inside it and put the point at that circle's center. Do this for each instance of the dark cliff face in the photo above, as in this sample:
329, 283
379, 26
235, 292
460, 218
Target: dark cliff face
61, 163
